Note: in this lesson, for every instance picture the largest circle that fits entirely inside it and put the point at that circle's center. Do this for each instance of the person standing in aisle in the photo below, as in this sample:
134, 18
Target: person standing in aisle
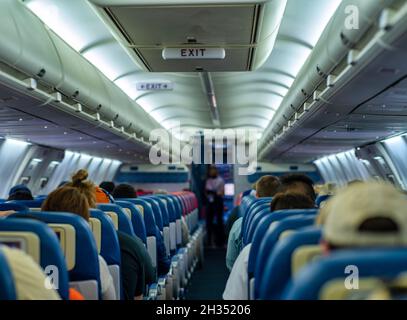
214, 192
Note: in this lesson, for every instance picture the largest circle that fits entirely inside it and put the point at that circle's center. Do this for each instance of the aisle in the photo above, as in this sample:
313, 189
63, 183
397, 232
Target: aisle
209, 282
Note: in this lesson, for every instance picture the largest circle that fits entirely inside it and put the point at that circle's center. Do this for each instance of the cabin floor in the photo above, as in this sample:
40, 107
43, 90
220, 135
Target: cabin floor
208, 283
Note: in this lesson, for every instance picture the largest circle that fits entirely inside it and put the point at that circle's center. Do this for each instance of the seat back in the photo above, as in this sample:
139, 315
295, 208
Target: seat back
136, 218
162, 210
79, 248
39, 241
156, 211
258, 209
261, 228
11, 206
34, 205
172, 221
269, 241
304, 255
255, 223
245, 203
109, 246
311, 281
178, 215
7, 288
278, 271
118, 216
149, 222
251, 209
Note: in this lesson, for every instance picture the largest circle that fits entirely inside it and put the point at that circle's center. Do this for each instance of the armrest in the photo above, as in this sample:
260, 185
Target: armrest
153, 292
162, 282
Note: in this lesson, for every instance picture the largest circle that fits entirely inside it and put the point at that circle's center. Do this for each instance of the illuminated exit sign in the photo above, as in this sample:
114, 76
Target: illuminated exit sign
151, 86
193, 53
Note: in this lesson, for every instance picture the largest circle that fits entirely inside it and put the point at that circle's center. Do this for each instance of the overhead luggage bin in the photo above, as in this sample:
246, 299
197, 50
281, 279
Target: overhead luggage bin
243, 32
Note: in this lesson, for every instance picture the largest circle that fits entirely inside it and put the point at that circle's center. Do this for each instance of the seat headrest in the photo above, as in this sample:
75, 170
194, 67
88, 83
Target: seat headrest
110, 249
310, 280
278, 271
11, 206
136, 218
40, 242
37, 203
84, 250
156, 211
148, 215
118, 216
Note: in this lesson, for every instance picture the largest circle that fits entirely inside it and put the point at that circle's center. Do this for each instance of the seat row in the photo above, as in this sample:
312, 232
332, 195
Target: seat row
287, 261
77, 262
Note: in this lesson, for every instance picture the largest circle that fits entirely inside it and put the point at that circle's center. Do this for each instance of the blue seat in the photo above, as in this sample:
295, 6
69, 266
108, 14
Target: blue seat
277, 270
83, 267
270, 239
7, 288
172, 221
381, 263
166, 221
149, 222
109, 246
118, 216
136, 219
245, 203
156, 211
251, 209
13, 207
109, 249
32, 204
50, 253
255, 223
262, 227
251, 218
178, 215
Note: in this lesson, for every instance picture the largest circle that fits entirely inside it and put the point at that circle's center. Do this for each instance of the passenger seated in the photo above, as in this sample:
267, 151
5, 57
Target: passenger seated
371, 214
107, 186
123, 191
237, 284
126, 191
298, 183
366, 215
29, 278
266, 186
20, 192
69, 199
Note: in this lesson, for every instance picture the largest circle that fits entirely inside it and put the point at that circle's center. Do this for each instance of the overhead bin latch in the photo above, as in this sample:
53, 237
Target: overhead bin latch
31, 84
386, 19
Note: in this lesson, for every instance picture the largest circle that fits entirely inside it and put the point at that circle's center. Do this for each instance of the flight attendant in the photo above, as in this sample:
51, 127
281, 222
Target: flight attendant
214, 191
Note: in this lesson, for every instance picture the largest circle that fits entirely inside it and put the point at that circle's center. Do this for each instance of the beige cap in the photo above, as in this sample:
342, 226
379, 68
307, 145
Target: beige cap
359, 202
